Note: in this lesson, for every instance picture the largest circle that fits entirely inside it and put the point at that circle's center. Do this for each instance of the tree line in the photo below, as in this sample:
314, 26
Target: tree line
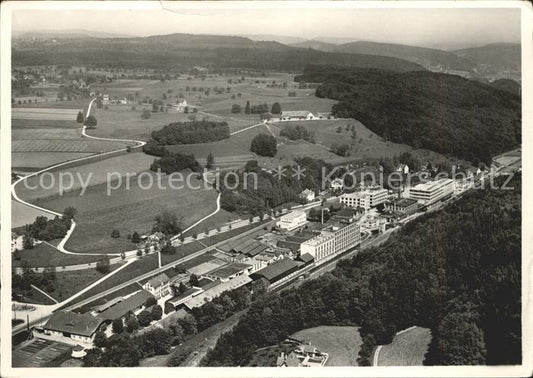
191, 132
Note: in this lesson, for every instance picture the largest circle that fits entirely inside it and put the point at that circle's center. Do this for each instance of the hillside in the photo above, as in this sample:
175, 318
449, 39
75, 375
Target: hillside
181, 51
456, 271
444, 113
494, 57
431, 59
508, 85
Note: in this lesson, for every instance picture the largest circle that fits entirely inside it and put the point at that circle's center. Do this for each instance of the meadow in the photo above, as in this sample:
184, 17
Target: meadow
22, 215
44, 255
129, 210
92, 173
342, 343
407, 349
61, 114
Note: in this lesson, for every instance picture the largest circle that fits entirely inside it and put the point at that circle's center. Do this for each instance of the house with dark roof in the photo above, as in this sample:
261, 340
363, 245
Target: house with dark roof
158, 286
280, 270
133, 303
73, 326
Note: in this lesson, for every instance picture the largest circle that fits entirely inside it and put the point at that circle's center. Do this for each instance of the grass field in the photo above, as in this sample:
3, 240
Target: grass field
406, 349
22, 215
96, 173
62, 114
65, 145
34, 161
128, 211
43, 255
17, 124
342, 343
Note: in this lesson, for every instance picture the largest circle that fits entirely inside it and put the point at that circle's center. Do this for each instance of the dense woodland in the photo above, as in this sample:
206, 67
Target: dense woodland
443, 113
191, 132
456, 271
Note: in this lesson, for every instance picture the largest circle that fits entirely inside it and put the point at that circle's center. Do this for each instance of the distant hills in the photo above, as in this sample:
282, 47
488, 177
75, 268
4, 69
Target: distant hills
496, 56
68, 33
179, 51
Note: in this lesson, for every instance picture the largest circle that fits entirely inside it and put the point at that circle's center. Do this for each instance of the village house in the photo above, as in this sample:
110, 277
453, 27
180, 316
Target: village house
71, 327
308, 195
17, 242
403, 168
336, 184
158, 286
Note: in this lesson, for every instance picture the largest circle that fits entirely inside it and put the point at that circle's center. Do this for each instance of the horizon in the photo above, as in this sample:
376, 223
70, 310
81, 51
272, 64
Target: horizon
445, 29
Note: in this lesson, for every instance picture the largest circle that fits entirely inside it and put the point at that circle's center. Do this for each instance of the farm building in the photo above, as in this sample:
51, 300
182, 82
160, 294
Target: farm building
297, 115
158, 286
278, 271
73, 327
308, 195
119, 309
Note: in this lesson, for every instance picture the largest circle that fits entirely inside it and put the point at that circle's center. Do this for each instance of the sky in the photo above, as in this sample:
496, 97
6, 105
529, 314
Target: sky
441, 28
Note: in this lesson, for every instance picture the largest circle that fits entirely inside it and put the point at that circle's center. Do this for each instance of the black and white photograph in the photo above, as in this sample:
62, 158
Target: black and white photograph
266, 186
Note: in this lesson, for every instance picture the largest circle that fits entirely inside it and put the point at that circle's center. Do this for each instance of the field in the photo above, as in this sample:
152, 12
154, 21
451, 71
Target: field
365, 145
22, 215
407, 349
341, 343
62, 114
96, 173
43, 255
34, 161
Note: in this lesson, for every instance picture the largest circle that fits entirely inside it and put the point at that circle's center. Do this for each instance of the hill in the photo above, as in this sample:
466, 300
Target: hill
494, 57
431, 59
444, 113
67, 33
508, 85
428, 58
181, 51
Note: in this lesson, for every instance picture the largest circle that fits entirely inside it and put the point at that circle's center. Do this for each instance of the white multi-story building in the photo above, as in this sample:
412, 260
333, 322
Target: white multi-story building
320, 247
335, 238
292, 220
430, 192
366, 198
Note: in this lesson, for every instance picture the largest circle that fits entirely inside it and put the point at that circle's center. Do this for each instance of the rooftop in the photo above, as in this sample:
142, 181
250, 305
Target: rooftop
192, 291
293, 215
228, 270
277, 269
78, 324
217, 290
306, 257
159, 280
432, 185
295, 113
405, 201
127, 305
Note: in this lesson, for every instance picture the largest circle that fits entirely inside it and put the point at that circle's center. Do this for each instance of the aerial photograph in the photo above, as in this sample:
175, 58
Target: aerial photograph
265, 186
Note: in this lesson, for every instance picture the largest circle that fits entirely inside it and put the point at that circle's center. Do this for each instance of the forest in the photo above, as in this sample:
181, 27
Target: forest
456, 271
444, 113
191, 132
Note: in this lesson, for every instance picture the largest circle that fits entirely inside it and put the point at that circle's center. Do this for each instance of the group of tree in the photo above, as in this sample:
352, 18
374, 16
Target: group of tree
48, 229
444, 113
456, 271
297, 132
168, 223
175, 162
22, 282
264, 145
91, 122
255, 109
340, 149
260, 192
191, 132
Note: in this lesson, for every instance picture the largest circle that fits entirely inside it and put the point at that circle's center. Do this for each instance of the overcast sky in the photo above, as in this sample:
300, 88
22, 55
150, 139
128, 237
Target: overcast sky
445, 28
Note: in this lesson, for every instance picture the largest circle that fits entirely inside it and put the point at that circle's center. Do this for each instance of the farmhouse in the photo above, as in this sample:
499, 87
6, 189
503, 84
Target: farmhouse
297, 115
158, 286
70, 326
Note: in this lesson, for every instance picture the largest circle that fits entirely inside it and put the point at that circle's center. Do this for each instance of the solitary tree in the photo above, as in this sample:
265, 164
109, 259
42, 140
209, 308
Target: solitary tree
102, 266
27, 241
247, 107
146, 114
69, 212
100, 339
115, 233
236, 108
135, 238
276, 108
132, 324
91, 121
210, 161
144, 318
157, 312
264, 145
118, 326
193, 281
79, 118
